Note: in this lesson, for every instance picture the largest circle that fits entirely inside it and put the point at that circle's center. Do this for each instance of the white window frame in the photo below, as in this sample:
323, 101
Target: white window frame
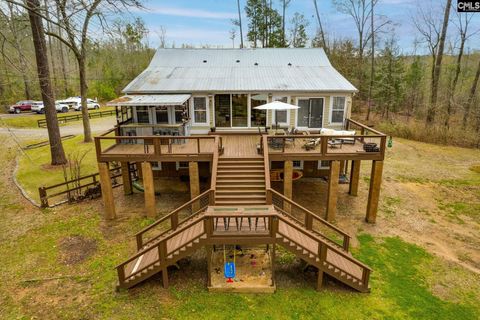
157, 166
320, 167
300, 167
296, 112
287, 111
192, 110
331, 110
178, 167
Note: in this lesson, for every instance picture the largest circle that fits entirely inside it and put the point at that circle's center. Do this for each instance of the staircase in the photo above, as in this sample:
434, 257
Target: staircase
240, 181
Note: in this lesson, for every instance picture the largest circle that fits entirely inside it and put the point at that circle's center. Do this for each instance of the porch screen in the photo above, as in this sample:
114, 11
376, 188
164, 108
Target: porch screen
161, 114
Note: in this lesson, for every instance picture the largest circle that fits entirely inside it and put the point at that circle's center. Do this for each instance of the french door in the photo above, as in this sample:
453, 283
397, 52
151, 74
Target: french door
231, 110
310, 113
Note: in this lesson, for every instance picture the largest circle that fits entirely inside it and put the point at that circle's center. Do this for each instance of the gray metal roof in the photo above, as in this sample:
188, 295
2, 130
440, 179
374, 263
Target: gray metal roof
239, 70
151, 100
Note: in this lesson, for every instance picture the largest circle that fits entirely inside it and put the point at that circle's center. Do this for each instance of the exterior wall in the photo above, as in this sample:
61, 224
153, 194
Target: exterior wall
310, 169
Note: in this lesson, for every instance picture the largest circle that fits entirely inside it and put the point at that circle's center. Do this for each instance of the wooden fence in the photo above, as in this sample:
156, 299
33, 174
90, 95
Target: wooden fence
78, 189
42, 123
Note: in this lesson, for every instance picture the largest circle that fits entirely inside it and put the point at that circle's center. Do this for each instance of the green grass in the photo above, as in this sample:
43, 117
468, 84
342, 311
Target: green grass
30, 121
35, 171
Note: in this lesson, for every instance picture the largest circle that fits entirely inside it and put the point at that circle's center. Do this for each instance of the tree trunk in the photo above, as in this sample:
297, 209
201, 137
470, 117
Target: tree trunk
56, 147
62, 61
471, 96
453, 87
320, 27
372, 64
284, 9
438, 65
83, 93
240, 23
50, 50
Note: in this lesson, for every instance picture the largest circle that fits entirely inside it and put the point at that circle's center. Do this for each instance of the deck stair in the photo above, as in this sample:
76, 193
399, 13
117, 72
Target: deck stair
240, 181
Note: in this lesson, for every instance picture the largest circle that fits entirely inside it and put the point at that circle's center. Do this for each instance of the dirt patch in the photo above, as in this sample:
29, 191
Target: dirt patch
76, 249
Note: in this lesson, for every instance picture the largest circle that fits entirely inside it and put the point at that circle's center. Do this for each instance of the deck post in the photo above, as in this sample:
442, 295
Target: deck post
126, 178
209, 265
319, 279
374, 191
107, 191
273, 263
287, 183
149, 189
165, 277
194, 184
333, 176
354, 177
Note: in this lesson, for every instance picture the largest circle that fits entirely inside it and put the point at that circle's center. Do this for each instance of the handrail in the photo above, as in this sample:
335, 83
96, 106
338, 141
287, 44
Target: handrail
207, 137
329, 246
266, 164
213, 181
173, 212
308, 223
365, 127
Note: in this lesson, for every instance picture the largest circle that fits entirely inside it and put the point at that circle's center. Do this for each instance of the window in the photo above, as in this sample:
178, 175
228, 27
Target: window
182, 165
258, 118
200, 110
157, 166
338, 110
142, 115
323, 164
161, 114
282, 117
180, 114
297, 164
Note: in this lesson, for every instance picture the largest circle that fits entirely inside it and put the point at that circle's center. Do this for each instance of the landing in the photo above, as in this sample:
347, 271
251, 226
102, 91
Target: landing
240, 146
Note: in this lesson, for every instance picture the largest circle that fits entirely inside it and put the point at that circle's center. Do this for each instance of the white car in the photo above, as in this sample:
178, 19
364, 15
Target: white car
76, 103
38, 107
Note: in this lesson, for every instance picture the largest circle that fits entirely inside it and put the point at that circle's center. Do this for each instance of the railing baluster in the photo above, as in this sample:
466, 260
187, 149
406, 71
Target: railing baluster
174, 220
139, 241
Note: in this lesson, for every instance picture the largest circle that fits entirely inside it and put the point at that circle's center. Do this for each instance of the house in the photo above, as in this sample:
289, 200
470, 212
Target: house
192, 113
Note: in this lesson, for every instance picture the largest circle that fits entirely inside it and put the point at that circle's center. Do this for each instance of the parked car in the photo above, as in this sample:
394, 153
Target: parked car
38, 107
24, 105
76, 103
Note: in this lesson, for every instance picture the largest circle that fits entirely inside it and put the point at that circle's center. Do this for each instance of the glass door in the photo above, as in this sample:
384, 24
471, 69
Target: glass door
258, 118
239, 110
310, 113
222, 110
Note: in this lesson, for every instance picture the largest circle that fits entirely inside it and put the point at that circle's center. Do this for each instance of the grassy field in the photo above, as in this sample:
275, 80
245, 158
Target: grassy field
59, 263
30, 121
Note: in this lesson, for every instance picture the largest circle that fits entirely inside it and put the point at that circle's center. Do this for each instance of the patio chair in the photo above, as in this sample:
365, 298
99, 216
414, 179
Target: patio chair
311, 144
290, 132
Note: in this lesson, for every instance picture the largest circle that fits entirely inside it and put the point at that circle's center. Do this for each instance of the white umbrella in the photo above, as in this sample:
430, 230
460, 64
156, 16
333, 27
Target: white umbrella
277, 106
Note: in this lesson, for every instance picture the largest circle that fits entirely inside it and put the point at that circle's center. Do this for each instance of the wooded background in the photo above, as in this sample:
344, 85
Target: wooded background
428, 93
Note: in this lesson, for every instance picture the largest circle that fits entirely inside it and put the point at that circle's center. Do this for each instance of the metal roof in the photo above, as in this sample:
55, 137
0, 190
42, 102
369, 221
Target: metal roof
151, 100
237, 70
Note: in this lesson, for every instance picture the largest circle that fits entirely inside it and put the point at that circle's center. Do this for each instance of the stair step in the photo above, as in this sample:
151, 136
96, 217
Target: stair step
240, 196
241, 167
243, 176
225, 182
240, 186
234, 193
242, 163
238, 202
241, 172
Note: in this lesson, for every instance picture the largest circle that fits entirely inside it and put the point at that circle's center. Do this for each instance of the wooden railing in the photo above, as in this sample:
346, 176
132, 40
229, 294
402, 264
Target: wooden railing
158, 145
73, 188
173, 219
213, 180
42, 123
266, 164
325, 227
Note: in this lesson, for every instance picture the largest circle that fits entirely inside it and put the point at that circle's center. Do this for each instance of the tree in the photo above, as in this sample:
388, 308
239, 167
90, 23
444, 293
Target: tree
471, 98
298, 35
240, 23
372, 62
413, 85
55, 140
321, 34
265, 24
438, 65
75, 20
389, 88
285, 4
463, 20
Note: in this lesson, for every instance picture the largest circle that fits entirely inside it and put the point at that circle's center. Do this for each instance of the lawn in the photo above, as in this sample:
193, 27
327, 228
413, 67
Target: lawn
30, 121
59, 263
35, 170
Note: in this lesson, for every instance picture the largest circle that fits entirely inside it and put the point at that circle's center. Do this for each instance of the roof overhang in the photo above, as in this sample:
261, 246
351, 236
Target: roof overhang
150, 100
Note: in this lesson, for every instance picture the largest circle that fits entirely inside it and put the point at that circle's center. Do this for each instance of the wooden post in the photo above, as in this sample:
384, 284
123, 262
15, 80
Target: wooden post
209, 265
319, 279
374, 191
107, 191
148, 189
287, 183
126, 178
273, 263
43, 197
194, 184
332, 190
354, 178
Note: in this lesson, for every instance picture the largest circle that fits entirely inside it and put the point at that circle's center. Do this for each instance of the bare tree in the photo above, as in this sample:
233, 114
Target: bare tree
471, 98
438, 65
240, 23
285, 4
372, 63
56, 147
462, 23
320, 27
233, 34
162, 37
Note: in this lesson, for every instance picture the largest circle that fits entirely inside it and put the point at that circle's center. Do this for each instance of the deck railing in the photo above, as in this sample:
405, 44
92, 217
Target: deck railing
154, 146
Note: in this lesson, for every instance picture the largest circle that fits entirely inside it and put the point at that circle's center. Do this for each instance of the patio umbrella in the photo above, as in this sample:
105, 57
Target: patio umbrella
277, 106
